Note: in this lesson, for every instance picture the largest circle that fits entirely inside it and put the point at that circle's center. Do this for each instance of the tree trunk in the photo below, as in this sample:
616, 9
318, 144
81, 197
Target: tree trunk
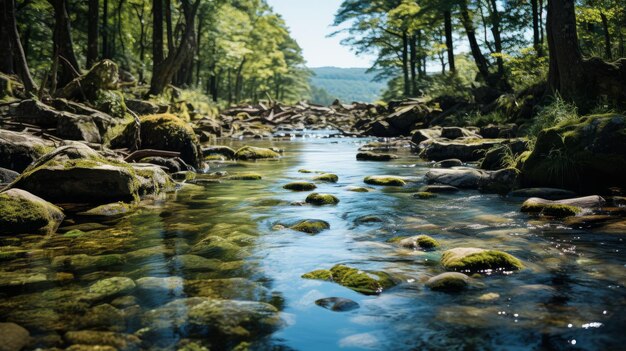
62, 43
12, 58
576, 79
413, 63
405, 64
106, 53
536, 36
92, 32
157, 32
120, 9
479, 58
497, 38
607, 37
164, 71
239, 81
168, 25
447, 17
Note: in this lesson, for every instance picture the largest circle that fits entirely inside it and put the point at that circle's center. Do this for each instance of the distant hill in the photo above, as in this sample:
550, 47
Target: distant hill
346, 84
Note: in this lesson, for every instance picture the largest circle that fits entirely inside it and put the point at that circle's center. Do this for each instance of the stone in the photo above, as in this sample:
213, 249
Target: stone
439, 189
310, 226
171, 165
468, 150
248, 153
337, 304
371, 156
86, 262
151, 180
448, 282
19, 150
457, 132
368, 219
245, 176
423, 242
109, 210
161, 285
453, 162
385, 180
118, 341
459, 177
544, 193
218, 150
110, 287
7, 175
22, 212
327, 177
77, 127
364, 282
142, 107
538, 205
424, 195
321, 199
33, 111
300, 186
358, 189
420, 135
14, 337
587, 155
475, 260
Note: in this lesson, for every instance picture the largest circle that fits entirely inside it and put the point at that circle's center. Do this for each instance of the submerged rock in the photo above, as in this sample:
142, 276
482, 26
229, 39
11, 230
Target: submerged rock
23, 212
327, 177
14, 337
416, 242
86, 262
110, 287
449, 282
221, 320
371, 156
469, 259
300, 186
337, 304
358, 189
245, 176
424, 195
364, 282
92, 338
321, 199
109, 210
385, 180
248, 153
311, 226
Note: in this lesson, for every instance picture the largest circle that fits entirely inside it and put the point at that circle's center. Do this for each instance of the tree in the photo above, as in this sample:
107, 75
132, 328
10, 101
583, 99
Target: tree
63, 51
92, 32
12, 58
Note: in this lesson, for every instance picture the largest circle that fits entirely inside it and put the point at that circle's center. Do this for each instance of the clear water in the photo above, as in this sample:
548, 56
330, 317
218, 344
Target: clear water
570, 296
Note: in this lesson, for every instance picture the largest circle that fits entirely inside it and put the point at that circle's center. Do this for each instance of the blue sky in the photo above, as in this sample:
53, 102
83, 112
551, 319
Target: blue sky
310, 21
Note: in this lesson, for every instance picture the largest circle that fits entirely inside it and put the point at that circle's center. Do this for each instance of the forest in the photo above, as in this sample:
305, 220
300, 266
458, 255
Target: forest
174, 176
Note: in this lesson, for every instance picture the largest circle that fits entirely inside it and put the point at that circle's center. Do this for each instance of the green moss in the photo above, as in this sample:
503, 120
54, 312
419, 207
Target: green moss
448, 282
358, 189
300, 186
305, 171
74, 233
424, 195
255, 153
21, 215
426, 242
245, 176
320, 274
327, 177
477, 260
111, 102
311, 226
321, 199
560, 211
413, 242
384, 180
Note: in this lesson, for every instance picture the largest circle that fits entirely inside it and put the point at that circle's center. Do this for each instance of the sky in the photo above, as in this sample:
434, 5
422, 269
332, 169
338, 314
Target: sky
310, 22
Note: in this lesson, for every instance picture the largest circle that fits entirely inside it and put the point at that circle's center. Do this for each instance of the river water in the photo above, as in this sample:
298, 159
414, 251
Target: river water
570, 295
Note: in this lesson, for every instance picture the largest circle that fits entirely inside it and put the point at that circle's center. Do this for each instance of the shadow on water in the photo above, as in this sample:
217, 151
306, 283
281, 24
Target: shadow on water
220, 241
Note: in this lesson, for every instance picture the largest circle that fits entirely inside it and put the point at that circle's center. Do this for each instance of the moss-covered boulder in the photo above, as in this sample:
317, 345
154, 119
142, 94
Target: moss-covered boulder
474, 260
448, 282
561, 208
18, 150
327, 177
364, 282
245, 176
311, 226
110, 210
300, 186
220, 150
163, 132
586, 155
371, 156
384, 180
321, 199
77, 173
22, 212
423, 242
248, 153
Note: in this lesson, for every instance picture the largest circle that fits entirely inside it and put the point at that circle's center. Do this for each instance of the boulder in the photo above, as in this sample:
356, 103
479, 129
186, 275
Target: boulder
473, 260
76, 173
321, 199
300, 186
499, 182
364, 282
163, 132
448, 282
468, 151
110, 287
248, 153
35, 112
14, 337
423, 242
18, 150
439, 189
544, 193
371, 156
102, 120
453, 162
587, 156
561, 208
310, 226
327, 177
420, 135
457, 133
218, 150
23, 212
77, 127
142, 107
7, 175
102, 340
385, 180
337, 304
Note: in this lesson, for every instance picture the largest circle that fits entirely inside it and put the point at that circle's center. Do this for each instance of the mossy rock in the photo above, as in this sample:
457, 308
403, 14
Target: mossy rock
300, 186
327, 177
358, 189
22, 212
371, 156
368, 219
245, 176
311, 226
110, 210
302, 170
448, 282
560, 211
587, 155
364, 282
424, 195
384, 180
248, 153
218, 150
560, 208
476, 260
321, 199
19, 150
424, 242
163, 132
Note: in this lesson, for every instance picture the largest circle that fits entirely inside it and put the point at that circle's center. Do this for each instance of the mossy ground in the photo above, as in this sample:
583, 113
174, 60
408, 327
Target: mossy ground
321, 199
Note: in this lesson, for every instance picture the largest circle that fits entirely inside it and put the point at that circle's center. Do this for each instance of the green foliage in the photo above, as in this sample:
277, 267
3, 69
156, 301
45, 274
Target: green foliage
525, 68
347, 84
557, 112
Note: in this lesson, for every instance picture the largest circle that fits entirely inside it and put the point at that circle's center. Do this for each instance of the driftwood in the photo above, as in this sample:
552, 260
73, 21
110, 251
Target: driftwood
139, 154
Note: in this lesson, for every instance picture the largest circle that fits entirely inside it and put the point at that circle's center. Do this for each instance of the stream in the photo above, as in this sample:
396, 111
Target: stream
569, 296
